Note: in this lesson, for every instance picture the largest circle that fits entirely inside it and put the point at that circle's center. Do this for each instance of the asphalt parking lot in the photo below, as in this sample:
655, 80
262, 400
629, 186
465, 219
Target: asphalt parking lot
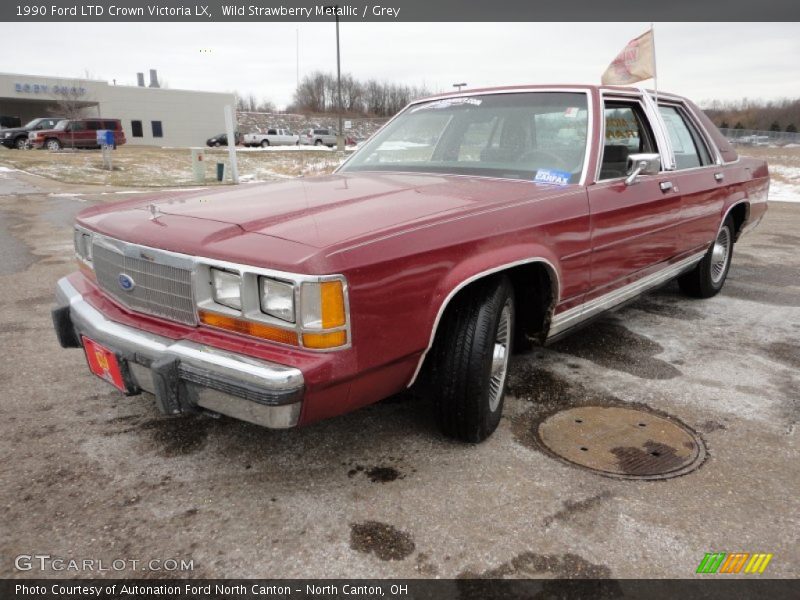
89, 474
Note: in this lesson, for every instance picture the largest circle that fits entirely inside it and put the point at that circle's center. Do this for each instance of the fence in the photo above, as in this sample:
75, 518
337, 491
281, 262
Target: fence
751, 137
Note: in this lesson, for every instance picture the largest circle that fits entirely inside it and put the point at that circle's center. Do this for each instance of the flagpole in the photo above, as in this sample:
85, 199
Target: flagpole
655, 62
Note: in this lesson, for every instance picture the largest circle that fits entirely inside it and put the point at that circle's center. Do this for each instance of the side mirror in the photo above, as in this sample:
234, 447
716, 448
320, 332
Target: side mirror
642, 164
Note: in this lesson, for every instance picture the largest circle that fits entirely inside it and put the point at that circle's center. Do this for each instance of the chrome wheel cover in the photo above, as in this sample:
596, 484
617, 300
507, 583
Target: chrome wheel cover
53, 145
500, 356
720, 254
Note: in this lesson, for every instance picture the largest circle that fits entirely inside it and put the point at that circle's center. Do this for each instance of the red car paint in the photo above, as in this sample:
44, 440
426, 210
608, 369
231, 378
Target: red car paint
406, 241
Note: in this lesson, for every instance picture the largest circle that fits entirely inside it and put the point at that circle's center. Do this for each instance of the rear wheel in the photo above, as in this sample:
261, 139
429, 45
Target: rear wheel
470, 360
22, 143
264, 143
708, 276
318, 143
53, 144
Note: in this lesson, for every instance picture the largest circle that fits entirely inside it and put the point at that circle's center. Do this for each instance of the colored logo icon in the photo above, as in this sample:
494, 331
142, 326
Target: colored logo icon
126, 282
736, 562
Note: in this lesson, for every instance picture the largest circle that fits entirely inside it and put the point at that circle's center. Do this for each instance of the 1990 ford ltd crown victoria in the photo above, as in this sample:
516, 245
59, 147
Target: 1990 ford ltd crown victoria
471, 225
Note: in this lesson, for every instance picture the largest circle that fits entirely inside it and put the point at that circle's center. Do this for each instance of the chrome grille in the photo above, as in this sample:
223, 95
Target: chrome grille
159, 289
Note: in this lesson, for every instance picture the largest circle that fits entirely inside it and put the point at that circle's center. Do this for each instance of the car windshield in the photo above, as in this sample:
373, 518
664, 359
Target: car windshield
531, 135
61, 125
33, 123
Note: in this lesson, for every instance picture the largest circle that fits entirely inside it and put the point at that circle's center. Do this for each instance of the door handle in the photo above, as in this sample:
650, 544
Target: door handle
665, 186
719, 176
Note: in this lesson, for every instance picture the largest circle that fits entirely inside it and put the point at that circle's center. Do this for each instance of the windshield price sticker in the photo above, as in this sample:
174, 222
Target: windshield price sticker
552, 177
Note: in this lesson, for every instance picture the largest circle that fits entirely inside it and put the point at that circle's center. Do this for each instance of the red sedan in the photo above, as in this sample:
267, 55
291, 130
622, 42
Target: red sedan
472, 225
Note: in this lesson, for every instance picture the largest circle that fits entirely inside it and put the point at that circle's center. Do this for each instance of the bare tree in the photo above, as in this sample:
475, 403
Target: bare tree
70, 100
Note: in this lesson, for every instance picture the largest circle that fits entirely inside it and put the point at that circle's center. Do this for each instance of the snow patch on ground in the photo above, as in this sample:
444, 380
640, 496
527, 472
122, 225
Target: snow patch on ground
784, 192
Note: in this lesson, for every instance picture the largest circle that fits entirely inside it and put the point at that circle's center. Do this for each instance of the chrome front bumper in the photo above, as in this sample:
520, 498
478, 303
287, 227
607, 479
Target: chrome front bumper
184, 375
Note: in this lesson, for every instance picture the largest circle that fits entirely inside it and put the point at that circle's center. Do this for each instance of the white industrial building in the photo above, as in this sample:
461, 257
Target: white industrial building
150, 115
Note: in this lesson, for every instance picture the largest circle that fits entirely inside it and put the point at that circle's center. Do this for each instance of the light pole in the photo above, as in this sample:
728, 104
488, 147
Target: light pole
459, 86
340, 135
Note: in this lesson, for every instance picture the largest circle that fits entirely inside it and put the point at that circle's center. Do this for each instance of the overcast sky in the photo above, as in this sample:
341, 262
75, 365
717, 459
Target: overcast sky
700, 60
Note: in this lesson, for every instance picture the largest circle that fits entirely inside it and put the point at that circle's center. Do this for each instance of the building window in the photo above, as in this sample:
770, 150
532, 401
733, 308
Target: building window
157, 131
136, 129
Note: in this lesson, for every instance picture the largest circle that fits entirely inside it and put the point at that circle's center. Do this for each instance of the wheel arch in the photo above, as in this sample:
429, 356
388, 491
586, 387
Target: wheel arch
524, 274
740, 213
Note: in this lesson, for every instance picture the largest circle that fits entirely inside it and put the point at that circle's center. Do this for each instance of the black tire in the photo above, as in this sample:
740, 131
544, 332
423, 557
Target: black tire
318, 143
468, 399
707, 277
53, 144
21, 143
264, 143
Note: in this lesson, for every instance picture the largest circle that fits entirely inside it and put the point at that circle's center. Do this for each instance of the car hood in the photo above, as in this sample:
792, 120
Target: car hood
345, 208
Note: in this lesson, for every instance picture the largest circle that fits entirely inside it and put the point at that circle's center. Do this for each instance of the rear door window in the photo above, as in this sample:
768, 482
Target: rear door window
687, 144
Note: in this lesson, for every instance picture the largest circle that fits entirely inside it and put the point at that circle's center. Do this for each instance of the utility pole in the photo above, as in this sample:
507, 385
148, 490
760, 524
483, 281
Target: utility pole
458, 86
340, 136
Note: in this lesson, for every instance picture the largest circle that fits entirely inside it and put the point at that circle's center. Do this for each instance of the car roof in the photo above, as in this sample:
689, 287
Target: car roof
567, 87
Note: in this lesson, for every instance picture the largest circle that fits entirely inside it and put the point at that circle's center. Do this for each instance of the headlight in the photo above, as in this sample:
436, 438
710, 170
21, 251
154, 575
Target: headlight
277, 298
7, 134
226, 288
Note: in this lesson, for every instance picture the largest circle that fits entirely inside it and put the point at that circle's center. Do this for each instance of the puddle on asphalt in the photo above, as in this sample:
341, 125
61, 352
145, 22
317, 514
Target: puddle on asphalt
383, 540
532, 564
613, 346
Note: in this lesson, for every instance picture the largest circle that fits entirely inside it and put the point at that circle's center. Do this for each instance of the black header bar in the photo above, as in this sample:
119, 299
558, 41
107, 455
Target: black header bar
398, 10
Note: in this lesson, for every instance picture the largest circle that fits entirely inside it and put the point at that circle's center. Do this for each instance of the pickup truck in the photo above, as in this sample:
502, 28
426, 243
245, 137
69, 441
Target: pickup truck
471, 226
17, 137
273, 137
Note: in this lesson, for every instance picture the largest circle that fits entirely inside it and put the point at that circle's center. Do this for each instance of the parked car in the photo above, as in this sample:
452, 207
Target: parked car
76, 133
459, 233
221, 139
7, 122
318, 137
17, 137
272, 137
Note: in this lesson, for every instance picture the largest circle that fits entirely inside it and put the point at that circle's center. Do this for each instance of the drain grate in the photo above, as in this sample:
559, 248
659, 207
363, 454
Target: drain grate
622, 442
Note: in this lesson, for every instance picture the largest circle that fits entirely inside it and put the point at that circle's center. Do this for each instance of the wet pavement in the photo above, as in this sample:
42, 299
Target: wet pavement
88, 473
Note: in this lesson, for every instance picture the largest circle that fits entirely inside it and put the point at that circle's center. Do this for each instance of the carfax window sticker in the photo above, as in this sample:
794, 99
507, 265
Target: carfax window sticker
552, 177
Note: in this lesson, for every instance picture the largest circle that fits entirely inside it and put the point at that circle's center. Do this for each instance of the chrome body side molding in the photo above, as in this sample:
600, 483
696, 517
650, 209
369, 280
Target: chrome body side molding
569, 318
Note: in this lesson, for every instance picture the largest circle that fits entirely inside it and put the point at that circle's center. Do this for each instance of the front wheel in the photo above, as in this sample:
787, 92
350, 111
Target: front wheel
22, 143
708, 276
53, 144
470, 360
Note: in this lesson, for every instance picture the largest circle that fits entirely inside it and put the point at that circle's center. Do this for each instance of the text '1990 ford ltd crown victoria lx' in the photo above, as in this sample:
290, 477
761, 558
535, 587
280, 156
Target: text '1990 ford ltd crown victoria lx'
471, 225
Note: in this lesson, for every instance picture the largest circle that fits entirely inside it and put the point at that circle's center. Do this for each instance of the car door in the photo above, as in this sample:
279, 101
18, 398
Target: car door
698, 178
634, 227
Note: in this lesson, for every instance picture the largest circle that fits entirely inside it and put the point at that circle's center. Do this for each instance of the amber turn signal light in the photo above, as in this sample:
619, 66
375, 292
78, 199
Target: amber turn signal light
267, 332
332, 300
332, 339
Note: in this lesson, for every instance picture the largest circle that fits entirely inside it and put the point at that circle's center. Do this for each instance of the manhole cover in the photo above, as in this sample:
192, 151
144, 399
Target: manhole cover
622, 442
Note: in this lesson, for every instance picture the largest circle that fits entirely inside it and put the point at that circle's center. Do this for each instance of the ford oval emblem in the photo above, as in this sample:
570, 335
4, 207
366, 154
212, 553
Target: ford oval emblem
126, 282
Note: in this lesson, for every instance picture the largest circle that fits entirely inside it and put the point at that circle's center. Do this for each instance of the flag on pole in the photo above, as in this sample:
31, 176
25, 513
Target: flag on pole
636, 62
